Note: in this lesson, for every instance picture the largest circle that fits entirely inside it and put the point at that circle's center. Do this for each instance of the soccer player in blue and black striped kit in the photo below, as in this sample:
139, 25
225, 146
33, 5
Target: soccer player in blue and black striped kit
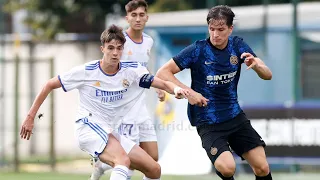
215, 65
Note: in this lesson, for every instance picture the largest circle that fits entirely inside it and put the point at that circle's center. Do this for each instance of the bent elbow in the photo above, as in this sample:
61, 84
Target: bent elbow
48, 86
268, 76
160, 73
52, 84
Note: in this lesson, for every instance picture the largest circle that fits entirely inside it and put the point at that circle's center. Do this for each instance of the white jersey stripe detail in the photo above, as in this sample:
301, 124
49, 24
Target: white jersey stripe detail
97, 131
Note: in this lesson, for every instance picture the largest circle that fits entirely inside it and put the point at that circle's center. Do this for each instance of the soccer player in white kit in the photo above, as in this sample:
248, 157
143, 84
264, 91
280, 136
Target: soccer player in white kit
138, 48
108, 90
137, 125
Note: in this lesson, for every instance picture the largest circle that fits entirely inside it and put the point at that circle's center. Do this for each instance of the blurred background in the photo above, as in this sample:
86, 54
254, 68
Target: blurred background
40, 39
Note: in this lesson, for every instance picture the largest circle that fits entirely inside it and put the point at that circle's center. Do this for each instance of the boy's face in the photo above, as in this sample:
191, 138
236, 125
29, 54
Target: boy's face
219, 33
137, 18
112, 51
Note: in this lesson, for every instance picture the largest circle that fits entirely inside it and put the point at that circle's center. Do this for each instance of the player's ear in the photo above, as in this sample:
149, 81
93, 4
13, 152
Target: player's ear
230, 29
147, 18
102, 48
127, 18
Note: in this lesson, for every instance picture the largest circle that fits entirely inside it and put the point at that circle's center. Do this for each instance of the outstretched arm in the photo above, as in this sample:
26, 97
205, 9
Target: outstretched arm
27, 126
169, 87
148, 80
161, 93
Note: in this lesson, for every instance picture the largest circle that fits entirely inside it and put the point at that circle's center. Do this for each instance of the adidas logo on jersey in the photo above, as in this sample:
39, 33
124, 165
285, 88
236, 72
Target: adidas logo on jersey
130, 53
97, 84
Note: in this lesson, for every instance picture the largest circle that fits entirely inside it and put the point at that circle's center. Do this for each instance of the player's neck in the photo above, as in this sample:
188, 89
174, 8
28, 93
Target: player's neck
109, 68
135, 35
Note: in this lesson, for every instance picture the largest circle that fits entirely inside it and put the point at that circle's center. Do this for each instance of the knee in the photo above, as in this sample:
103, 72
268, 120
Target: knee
154, 171
124, 160
226, 169
261, 170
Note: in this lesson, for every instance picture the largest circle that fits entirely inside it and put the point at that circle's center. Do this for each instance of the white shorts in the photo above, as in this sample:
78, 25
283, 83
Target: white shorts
137, 124
93, 138
141, 132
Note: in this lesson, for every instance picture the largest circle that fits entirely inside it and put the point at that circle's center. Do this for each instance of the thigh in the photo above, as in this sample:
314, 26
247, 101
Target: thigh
140, 160
114, 154
151, 148
125, 143
256, 157
214, 142
245, 139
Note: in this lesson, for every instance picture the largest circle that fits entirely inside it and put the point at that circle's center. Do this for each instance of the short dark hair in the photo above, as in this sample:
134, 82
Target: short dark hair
135, 4
221, 12
112, 33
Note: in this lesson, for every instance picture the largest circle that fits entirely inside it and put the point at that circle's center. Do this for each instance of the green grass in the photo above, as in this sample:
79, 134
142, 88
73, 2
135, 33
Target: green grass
40, 176
44, 159
57, 176
54, 176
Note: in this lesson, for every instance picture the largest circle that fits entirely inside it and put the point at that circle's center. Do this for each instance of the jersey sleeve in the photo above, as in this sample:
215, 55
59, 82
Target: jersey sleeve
243, 47
143, 77
186, 57
72, 79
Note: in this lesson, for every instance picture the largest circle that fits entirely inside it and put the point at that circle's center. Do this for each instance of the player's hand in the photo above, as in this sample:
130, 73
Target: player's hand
161, 95
250, 60
27, 126
181, 93
197, 99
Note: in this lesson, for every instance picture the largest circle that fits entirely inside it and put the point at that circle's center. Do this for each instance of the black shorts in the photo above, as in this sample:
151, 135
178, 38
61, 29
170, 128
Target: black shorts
237, 134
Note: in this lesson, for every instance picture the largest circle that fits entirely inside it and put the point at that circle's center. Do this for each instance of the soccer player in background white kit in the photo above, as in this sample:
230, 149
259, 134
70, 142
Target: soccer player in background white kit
137, 125
108, 90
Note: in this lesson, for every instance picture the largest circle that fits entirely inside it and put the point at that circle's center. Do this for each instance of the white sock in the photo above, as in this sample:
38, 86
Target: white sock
105, 166
119, 172
145, 178
130, 173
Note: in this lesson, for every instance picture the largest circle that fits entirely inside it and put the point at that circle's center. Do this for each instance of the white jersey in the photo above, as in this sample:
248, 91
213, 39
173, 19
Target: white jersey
139, 52
107, 98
